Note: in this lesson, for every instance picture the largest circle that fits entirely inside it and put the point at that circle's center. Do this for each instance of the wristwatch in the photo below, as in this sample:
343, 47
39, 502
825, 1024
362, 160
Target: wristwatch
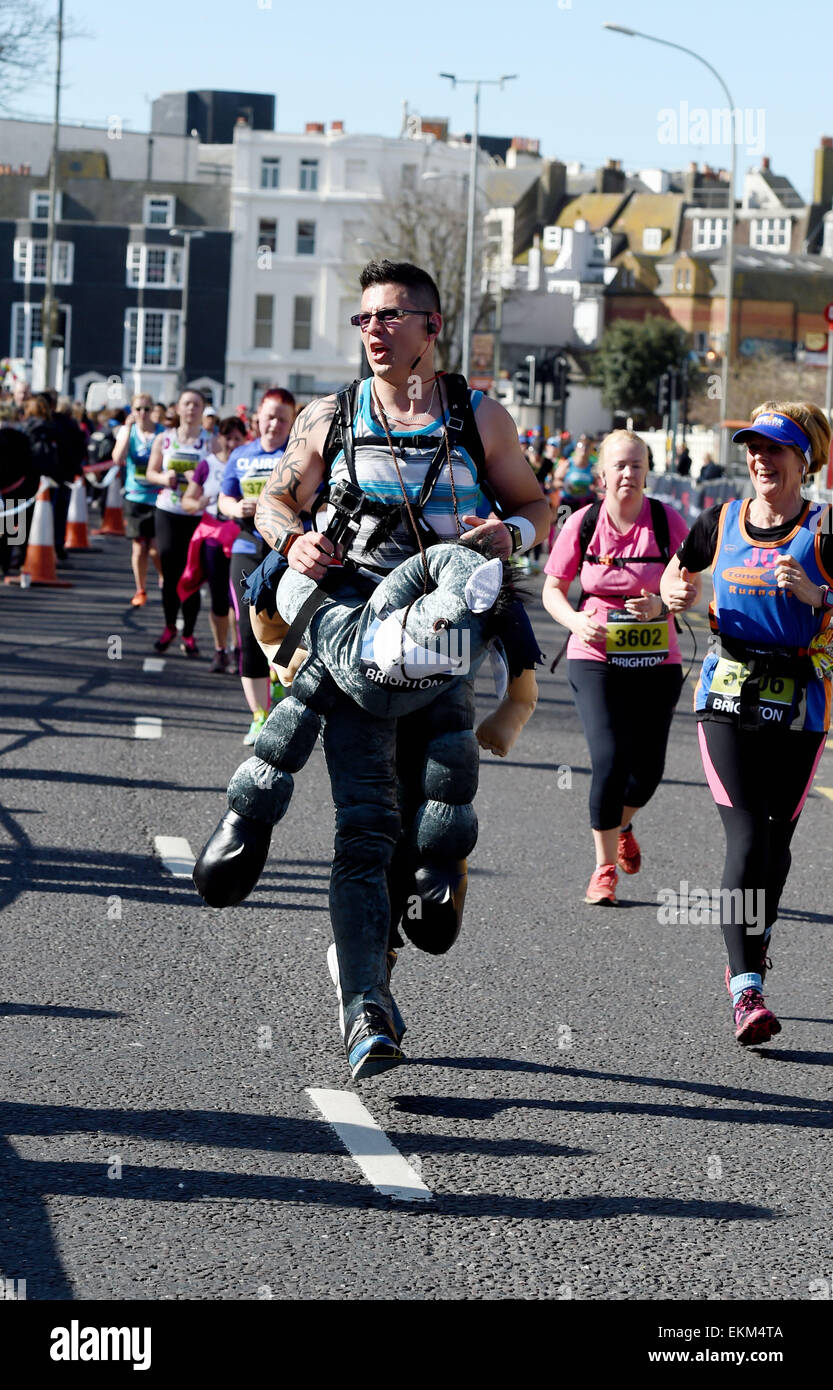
826, 597
287, 539
515, 533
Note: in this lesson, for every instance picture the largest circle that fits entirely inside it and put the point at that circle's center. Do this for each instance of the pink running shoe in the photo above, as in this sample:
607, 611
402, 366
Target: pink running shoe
628, 853
754, 1022
601, 890
162, 643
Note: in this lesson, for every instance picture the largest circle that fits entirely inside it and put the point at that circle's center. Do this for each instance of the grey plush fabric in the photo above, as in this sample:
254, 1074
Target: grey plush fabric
390, 671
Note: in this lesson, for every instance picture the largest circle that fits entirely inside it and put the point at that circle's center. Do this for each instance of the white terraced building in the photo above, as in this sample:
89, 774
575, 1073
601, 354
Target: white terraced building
307, 211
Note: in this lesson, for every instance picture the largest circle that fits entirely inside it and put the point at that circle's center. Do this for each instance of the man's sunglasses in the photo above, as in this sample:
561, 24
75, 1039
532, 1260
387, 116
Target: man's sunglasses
389, 317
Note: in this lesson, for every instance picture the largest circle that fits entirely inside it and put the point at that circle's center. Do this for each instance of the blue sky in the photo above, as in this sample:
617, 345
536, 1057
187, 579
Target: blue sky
585, 93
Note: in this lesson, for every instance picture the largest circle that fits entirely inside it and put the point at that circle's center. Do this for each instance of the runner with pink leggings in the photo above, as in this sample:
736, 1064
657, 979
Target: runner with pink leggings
763, 699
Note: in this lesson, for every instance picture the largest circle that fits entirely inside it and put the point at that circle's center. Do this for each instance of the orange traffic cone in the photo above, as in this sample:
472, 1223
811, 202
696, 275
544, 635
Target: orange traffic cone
40, 552
113, 522
76, 533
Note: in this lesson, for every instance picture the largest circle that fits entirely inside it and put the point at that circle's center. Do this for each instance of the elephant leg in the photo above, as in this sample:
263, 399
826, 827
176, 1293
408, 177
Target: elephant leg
443, 826
259, 792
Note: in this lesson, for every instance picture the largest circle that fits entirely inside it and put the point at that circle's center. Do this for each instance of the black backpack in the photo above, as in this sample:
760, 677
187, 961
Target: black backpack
589, 520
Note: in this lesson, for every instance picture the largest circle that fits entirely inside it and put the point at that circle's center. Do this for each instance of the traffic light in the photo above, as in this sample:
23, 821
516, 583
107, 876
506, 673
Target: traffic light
664, 394
523, 380
561, 379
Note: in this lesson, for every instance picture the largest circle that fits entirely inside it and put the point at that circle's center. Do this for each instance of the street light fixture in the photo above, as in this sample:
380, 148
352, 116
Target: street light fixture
730, 238
477, 83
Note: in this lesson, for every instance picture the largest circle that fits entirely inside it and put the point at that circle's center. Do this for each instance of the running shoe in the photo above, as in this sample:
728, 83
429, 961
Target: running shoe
601, 889
764, 964
139, 599
218, 662
188, 645
628, 853
258, 721
233, 665
754, 1022
369, 1040
332, 966
162, 643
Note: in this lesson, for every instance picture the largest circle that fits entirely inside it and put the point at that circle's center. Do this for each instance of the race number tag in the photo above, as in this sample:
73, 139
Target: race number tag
635, 644
253, 487
777, 692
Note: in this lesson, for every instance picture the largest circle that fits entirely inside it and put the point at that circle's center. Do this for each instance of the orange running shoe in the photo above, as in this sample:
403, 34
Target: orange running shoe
601, 889
139, 599
628, 853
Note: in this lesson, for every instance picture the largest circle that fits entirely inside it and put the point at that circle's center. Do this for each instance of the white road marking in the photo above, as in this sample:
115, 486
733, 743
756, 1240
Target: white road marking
153, 664
369, 1146
826, 791
147, 726
175, 854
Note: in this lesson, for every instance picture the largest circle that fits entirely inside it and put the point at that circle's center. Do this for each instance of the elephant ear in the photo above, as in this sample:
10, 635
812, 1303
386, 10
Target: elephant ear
483, 586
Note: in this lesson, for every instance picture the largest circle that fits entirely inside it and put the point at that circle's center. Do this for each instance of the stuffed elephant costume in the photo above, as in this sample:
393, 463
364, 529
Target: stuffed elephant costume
400, 656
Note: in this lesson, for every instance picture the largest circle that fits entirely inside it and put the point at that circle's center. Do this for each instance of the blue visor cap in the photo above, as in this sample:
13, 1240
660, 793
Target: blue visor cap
778, 427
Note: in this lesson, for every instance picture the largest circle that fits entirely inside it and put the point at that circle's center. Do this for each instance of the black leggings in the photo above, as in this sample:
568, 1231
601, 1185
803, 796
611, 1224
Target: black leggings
626, 716
173, 536
252, 661
759, 781
216, 568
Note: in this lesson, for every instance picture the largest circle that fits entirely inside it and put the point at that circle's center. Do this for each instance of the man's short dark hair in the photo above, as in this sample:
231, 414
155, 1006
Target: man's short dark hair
403, 273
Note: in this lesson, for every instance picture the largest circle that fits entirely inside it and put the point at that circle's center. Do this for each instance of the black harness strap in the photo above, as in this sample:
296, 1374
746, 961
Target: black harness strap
460, 429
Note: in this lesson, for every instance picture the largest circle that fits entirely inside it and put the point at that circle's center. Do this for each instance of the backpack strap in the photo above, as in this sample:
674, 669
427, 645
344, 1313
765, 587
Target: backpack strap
660, 528
340, 437
462, 429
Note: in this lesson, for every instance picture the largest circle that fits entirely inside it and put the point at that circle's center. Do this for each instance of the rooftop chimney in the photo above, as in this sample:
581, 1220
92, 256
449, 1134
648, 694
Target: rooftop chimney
823, 172
314, 128
765, 163
336, 127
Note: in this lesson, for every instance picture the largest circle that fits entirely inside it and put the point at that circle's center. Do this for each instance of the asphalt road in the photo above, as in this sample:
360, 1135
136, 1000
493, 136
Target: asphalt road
573, 1097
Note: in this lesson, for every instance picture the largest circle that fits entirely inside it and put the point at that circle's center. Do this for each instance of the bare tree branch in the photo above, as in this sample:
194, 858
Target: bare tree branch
27, 41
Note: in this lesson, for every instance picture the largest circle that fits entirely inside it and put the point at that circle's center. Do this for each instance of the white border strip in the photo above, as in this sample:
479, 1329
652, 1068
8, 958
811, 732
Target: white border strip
369, 1146
147, 726
175, 854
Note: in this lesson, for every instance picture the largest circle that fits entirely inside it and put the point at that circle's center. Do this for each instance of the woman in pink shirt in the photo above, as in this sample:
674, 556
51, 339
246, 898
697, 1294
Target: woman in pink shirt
623, 657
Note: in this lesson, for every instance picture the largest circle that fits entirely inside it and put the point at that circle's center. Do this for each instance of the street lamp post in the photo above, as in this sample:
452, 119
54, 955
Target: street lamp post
477, 83
730, 236
49, 310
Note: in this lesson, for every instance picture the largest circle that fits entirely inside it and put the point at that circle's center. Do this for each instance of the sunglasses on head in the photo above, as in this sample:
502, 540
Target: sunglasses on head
389, 317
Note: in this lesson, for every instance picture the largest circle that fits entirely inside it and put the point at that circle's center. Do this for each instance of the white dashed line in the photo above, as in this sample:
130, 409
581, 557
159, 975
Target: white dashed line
369, 1146
175, 854
153, 664
147, 726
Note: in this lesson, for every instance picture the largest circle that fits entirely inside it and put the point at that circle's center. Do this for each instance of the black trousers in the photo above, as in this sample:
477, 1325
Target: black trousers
626, 716
759, 780
173, 536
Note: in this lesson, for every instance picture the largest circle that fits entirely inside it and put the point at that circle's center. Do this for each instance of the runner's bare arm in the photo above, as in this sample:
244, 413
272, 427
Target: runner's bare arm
297, 475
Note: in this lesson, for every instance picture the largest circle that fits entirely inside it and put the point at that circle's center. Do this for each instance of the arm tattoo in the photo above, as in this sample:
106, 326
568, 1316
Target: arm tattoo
278, 505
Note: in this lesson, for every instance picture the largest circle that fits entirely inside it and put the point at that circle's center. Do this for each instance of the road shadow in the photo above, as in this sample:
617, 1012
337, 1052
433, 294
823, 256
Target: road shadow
28, 1247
